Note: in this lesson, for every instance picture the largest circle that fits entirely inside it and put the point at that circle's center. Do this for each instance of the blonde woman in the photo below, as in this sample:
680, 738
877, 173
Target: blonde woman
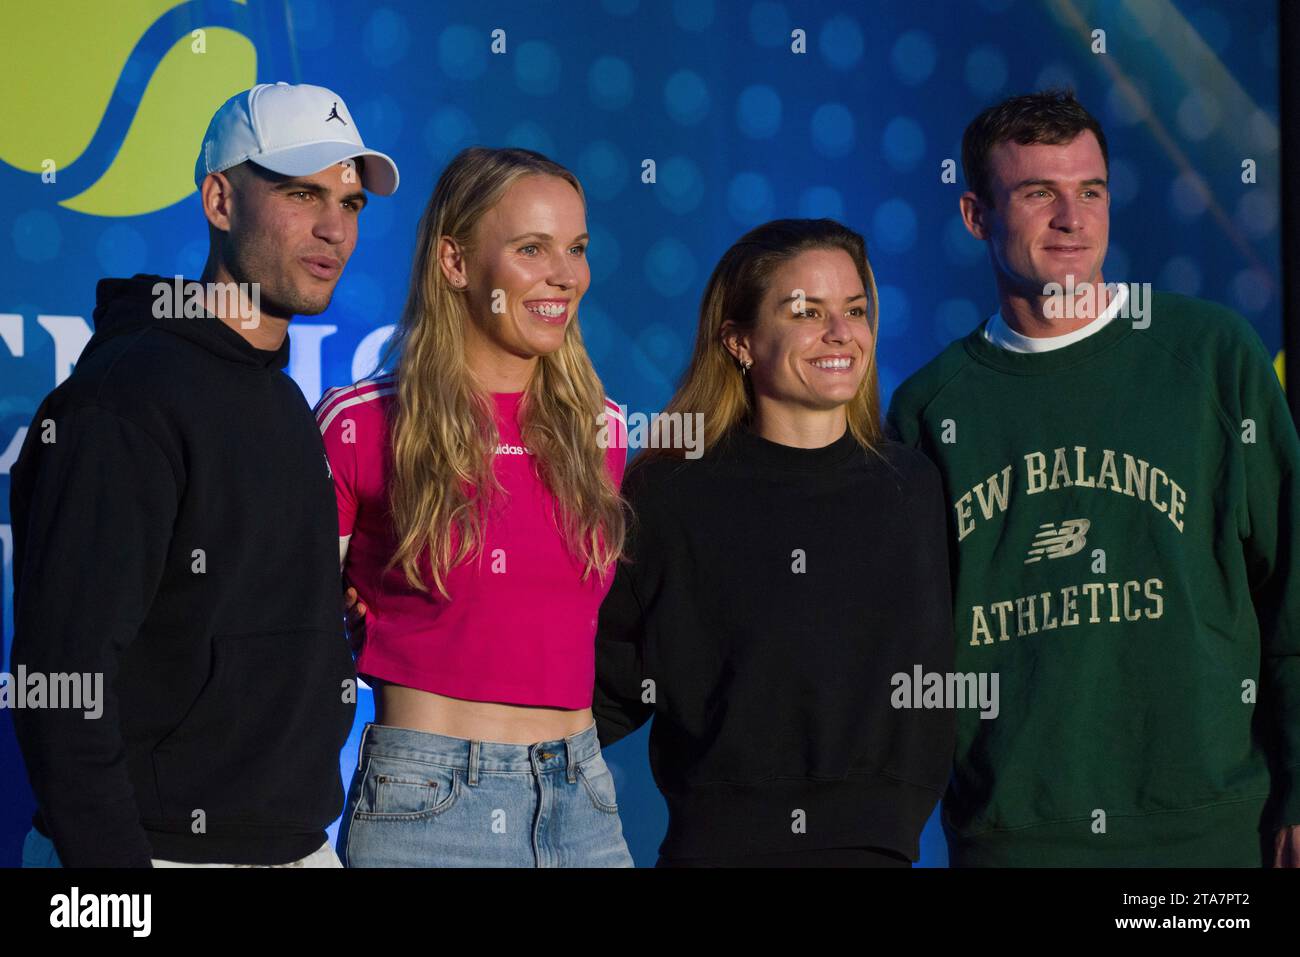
479, 520
777, 587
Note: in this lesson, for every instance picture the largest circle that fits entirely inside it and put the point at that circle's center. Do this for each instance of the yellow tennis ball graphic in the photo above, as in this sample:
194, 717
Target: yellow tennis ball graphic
66, 59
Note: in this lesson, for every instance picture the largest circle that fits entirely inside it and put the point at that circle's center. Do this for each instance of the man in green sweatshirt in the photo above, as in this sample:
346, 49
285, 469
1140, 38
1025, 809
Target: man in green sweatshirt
1123, 479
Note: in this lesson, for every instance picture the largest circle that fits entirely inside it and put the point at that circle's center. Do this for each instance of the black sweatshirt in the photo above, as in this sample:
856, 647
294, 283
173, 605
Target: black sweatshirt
175, 530
771, 596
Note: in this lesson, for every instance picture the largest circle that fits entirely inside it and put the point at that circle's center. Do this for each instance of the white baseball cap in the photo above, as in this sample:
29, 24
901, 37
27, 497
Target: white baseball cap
291, 130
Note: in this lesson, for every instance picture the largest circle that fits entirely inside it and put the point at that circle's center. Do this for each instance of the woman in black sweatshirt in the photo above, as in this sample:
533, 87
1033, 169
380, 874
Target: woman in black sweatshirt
783, 592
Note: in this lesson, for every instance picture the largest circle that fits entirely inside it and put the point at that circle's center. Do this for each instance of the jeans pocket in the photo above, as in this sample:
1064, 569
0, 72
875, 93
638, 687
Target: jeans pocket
397, 790
599, 782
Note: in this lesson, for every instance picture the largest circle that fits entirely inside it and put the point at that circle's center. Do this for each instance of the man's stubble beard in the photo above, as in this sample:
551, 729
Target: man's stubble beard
279, 296
294, 304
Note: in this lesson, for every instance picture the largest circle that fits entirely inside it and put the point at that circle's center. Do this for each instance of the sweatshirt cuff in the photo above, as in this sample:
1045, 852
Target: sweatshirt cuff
90, 838
1287, 798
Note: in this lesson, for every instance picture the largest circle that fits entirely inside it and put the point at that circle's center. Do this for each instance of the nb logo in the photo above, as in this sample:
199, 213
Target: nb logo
1057, 542
334, 115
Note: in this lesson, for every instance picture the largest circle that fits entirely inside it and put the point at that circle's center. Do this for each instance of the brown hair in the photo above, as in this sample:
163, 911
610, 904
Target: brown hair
1051, 117
713, 383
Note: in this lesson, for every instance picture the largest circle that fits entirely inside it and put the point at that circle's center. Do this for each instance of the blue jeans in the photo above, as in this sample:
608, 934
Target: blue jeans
38, 851
427, 800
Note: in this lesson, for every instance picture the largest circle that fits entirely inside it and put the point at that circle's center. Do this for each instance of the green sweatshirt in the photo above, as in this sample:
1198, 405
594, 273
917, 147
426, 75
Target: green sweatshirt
1125, 520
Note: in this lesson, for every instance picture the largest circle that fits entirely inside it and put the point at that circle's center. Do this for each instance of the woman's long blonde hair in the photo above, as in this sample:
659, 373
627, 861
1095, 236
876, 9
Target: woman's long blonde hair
713, 383
443, 426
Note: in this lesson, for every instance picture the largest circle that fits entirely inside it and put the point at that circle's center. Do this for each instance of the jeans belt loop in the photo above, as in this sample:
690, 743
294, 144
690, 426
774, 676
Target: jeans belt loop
362, 749
473, 763
572, 769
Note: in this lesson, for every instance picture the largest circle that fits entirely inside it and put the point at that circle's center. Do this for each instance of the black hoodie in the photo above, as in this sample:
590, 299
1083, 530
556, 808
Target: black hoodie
175, 530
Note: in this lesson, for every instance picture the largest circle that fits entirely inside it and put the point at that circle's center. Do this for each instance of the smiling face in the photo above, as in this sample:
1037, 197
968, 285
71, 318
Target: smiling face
291, 235
812, 360
1050, 217
523, 277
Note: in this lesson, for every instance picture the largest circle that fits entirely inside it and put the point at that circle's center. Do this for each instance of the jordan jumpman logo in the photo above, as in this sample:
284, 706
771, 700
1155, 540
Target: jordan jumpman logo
334, 115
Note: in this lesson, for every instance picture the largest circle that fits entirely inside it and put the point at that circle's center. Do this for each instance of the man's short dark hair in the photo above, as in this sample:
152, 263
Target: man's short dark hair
1051, 117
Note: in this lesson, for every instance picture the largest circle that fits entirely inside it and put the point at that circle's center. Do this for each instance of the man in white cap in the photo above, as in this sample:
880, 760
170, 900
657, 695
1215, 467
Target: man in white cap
281, 176
175, 530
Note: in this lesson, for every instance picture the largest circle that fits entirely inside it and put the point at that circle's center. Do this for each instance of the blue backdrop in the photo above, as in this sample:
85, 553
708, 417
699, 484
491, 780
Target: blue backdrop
105, 105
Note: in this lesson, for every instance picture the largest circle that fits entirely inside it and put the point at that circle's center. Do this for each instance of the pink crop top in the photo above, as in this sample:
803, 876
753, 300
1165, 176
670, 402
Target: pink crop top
521, 624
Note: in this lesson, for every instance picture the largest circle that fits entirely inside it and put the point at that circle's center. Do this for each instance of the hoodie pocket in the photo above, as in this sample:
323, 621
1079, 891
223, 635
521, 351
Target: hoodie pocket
260, 746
